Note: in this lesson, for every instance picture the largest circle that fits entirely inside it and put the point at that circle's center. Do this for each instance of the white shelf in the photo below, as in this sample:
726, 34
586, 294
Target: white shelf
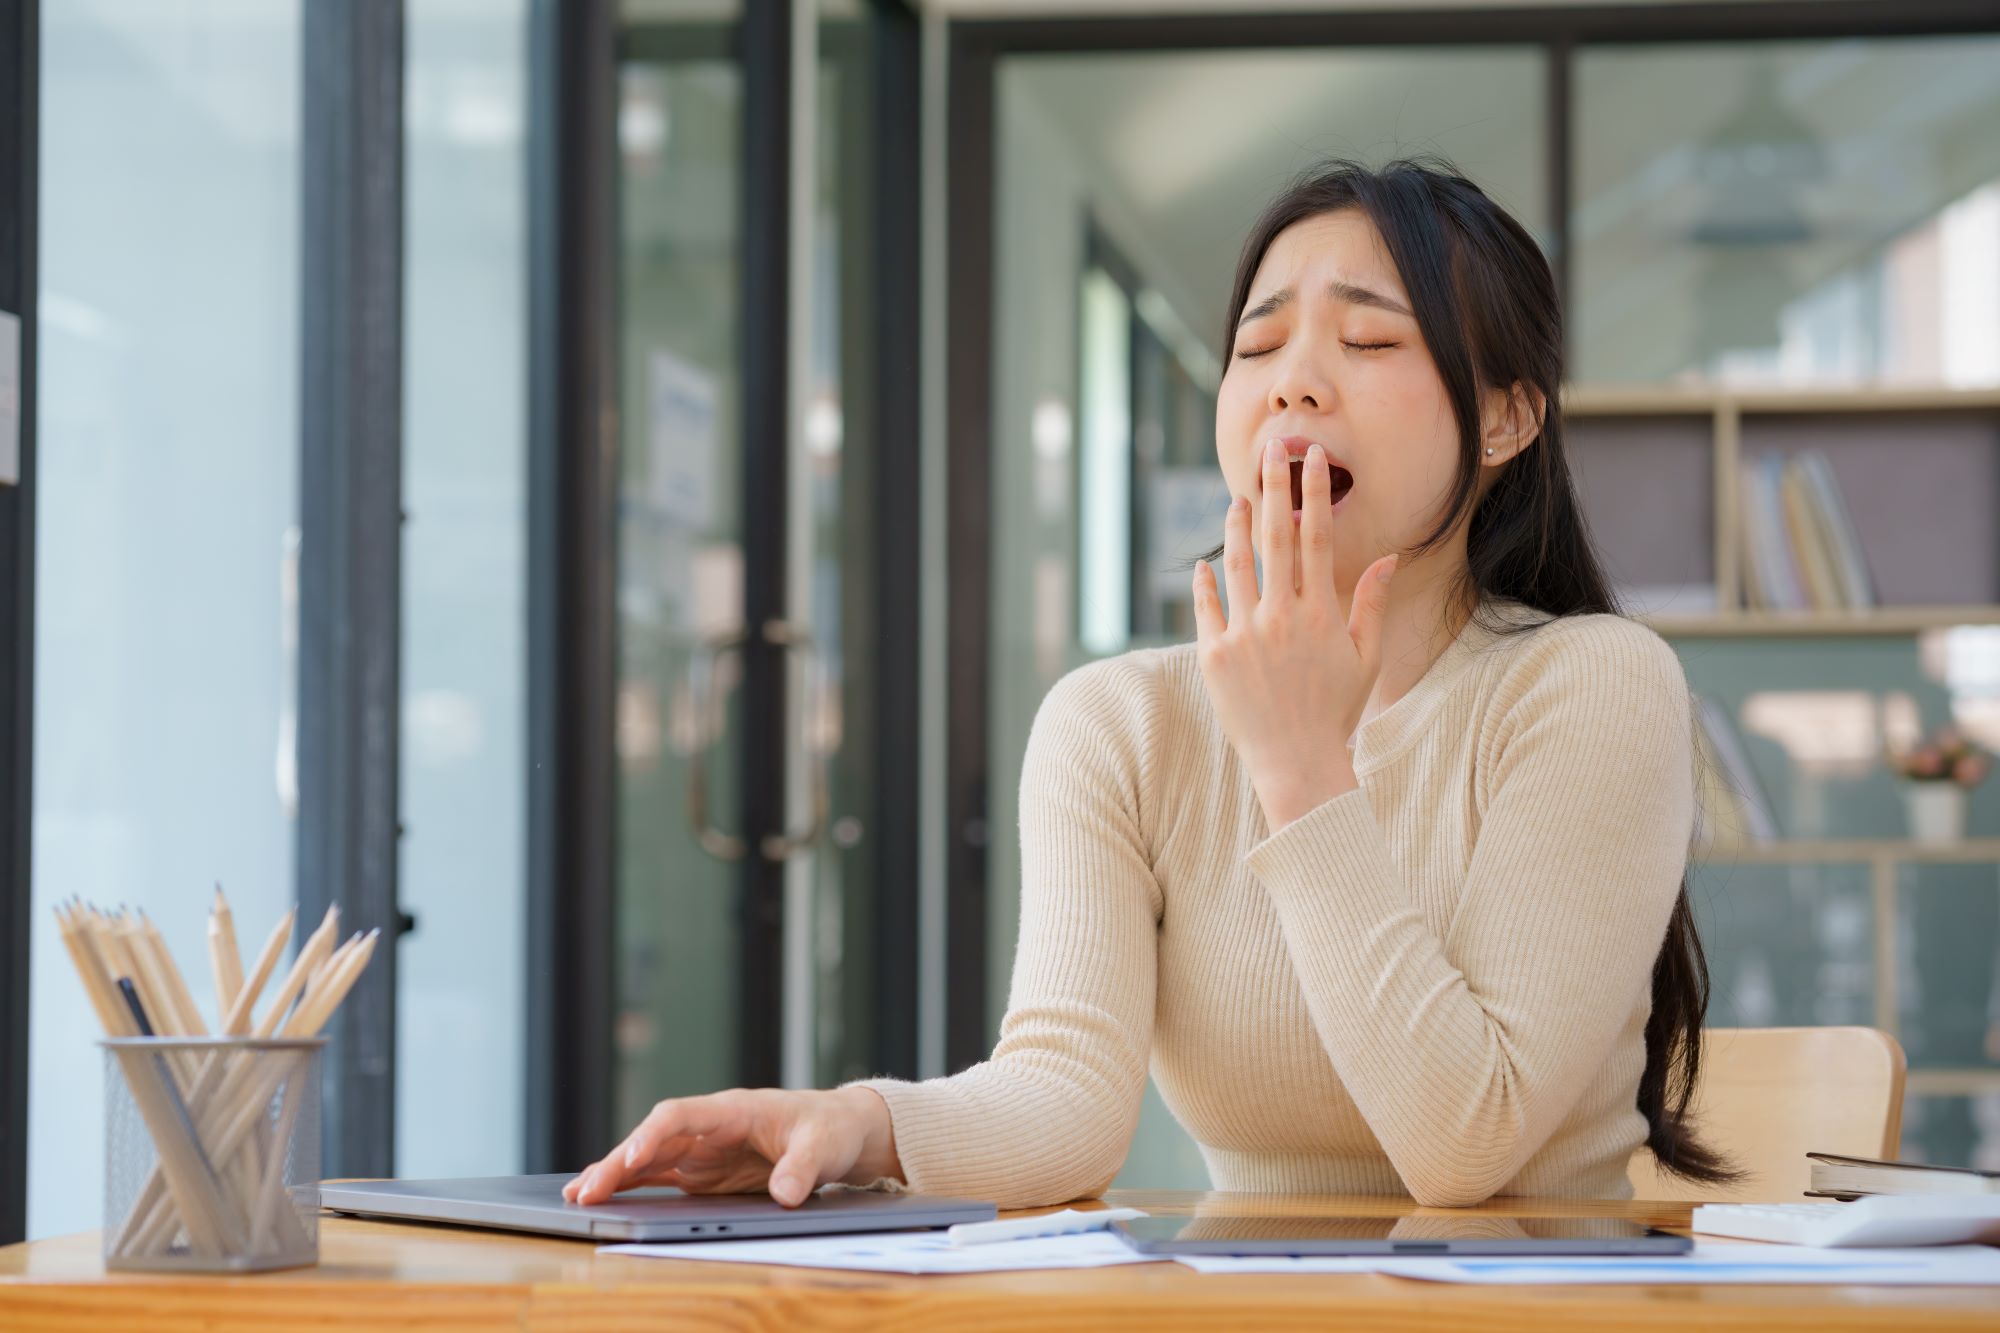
1875, 621
1792, 851
1607, 400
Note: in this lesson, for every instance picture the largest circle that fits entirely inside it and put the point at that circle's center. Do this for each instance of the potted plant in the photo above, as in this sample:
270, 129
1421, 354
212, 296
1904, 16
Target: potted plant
1936, 773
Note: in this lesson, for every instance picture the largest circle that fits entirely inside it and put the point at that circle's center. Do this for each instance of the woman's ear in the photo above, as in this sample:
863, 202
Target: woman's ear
1512, 421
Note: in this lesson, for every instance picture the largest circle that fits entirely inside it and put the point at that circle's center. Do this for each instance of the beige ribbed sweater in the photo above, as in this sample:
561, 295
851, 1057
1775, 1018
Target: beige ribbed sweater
1437, 984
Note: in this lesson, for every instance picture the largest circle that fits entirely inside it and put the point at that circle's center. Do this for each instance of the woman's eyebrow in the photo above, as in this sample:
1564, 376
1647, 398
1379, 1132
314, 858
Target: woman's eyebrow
1339, 289
1346, 291
1275, 301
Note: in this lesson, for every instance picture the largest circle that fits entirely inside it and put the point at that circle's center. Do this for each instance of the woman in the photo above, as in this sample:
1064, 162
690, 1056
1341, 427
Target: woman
1382, 877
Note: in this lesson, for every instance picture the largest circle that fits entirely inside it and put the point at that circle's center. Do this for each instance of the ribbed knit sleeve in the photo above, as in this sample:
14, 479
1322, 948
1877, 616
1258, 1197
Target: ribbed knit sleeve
1050, 1115
1465, 1052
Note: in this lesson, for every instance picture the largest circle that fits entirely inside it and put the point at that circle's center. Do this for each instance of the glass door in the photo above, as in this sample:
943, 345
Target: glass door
761, 848
681, 846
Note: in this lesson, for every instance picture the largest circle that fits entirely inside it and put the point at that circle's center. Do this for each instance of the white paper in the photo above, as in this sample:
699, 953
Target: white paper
1712, 1263
903, 1252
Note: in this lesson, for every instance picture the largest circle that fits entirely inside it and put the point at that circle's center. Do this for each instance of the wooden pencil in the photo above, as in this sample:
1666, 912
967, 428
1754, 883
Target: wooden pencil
170, 976
317, 946
224, 960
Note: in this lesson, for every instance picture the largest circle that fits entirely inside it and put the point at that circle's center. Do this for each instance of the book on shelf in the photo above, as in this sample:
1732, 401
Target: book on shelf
1800, 548
1731, 805
1838, 1177
1843, 542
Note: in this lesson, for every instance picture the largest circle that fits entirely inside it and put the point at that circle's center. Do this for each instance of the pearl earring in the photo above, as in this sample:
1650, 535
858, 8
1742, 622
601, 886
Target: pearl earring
1489, 453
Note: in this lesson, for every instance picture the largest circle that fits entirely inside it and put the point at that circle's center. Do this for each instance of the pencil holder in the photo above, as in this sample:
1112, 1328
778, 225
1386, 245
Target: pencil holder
211, 1153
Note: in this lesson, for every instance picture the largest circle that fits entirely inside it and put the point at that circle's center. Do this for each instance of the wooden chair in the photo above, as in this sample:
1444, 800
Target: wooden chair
1768, 1096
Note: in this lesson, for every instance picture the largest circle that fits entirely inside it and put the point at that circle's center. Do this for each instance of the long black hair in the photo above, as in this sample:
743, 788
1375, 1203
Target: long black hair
1485, 302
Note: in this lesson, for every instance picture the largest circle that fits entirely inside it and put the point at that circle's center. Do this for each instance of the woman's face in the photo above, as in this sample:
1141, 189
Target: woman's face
1327, 352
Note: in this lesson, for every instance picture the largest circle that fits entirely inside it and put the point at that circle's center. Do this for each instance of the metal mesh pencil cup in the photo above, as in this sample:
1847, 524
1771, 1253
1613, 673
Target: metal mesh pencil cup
211, 1153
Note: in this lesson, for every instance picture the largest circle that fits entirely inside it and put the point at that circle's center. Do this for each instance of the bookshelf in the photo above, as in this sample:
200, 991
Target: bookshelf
1660, 471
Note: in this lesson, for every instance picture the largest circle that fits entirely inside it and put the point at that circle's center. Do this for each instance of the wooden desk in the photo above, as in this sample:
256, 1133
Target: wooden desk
381, 1274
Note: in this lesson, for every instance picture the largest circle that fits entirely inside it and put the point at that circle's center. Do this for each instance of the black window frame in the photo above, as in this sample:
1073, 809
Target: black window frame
350, 544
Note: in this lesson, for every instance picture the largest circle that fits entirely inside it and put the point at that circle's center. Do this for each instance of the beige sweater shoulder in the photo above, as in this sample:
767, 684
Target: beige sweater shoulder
1437, 984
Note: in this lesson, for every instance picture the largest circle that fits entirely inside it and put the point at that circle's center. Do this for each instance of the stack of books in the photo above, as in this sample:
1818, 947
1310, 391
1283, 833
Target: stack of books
1731, 805
1800, 551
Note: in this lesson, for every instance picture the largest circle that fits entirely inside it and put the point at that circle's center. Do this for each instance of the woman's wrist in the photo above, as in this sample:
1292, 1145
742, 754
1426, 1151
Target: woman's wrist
878, 1136
1285, 800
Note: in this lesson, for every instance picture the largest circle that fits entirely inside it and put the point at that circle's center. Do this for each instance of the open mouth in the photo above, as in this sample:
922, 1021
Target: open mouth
1342, 482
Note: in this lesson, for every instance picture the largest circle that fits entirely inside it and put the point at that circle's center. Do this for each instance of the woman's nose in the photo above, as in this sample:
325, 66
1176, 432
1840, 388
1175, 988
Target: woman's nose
1298, 385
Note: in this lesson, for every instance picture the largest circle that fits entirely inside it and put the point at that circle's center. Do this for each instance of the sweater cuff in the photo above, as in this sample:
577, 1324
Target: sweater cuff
924, 1119
1332, 861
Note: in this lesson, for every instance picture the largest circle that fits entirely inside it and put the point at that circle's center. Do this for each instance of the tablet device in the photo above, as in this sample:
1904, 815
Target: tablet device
1407, 1237
535, 1203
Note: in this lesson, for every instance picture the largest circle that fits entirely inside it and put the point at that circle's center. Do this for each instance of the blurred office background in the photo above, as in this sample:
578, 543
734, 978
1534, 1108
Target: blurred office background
726, 421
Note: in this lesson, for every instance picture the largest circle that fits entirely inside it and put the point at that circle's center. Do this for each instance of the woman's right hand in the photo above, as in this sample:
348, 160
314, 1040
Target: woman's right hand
747, 1139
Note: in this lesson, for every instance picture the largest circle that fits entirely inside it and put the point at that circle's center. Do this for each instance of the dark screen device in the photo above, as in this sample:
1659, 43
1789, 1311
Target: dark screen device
535, 1203
1414, 1236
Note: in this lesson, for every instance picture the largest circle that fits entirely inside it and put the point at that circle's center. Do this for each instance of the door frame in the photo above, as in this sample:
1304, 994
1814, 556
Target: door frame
974, 50
20, 59
350, 518
572, 575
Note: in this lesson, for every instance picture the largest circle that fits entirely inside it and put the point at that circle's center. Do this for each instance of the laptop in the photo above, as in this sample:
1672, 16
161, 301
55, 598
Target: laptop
535, 1203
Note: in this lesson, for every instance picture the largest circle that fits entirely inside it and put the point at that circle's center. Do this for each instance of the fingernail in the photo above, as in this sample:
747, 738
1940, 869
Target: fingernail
1274, 450
1382, 574
631, 1155
1316, 456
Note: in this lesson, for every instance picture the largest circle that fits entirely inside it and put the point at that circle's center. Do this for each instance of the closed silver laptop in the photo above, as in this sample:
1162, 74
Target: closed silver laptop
535, 1203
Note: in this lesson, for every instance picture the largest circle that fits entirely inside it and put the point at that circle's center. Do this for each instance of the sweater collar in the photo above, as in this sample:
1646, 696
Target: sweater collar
1382, 737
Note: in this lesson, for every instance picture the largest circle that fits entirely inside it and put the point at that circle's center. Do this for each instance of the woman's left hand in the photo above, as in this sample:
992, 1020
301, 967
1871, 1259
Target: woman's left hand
1287, 678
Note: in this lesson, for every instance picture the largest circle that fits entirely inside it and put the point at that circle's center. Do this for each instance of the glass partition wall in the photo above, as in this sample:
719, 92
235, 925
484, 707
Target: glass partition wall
168, 485
1802, 259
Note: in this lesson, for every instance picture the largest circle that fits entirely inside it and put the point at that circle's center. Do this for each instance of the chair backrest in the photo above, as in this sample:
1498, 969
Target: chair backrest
1769, 1096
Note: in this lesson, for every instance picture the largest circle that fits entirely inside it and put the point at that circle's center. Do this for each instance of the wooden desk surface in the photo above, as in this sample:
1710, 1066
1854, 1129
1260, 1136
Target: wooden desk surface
394, 1274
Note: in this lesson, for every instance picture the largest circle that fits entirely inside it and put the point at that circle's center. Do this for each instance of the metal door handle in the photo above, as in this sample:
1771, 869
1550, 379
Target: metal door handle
817, 733
708, 724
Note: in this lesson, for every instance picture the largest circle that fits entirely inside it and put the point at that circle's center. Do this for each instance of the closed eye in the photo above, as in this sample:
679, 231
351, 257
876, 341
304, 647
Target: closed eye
1249, 353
